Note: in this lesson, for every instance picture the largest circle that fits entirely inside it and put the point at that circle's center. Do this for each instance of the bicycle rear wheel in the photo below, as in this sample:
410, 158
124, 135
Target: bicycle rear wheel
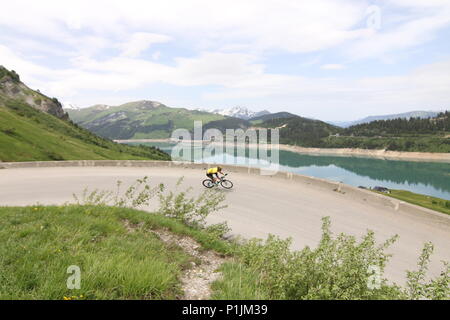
208, 183
227, 184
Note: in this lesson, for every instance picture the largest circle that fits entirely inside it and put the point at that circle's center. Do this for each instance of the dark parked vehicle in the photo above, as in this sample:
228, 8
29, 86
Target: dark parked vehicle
381, 189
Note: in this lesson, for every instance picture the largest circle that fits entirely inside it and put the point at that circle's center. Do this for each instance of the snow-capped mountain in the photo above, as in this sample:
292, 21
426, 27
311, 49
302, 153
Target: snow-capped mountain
237, 112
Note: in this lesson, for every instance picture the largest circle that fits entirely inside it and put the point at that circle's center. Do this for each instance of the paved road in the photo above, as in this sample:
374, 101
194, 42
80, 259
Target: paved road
258, 205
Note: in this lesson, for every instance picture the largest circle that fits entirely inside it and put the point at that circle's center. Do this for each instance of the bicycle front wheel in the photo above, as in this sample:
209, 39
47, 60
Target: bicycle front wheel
208, 183
227, 184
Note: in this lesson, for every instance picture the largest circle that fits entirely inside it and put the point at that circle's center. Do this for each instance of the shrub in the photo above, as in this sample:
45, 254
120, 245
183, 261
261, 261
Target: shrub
180, 205
9, 131
12, 74
339, 268
435, 289
54, 156
135, 196
191, 210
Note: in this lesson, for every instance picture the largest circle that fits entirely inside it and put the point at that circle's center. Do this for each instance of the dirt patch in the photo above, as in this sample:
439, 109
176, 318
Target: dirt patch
130, 226
196, 281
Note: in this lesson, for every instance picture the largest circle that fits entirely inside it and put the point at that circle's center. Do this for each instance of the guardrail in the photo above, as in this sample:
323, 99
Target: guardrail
357, 194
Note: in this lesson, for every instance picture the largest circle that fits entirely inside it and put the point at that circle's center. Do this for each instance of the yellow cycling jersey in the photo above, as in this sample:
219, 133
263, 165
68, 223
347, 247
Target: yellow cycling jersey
212, 170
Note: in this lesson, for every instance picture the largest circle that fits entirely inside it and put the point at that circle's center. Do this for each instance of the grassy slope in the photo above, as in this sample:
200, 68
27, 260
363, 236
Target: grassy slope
422, 200
301, 131
141, 123
39, 243
27, 135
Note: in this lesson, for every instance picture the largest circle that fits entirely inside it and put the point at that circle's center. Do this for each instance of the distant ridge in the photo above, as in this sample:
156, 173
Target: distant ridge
237, 112
405, 115
143, 119
270, 116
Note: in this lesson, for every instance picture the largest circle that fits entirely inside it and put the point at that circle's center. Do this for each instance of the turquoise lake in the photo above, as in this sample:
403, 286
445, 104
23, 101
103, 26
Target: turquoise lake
430, 178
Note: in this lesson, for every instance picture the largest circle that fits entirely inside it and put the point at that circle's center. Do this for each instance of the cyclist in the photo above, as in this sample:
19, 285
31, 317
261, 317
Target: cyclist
211, 172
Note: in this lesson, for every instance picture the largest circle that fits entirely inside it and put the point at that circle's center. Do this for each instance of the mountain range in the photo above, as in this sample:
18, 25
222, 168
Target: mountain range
237, 112
142, 119
34, 126
405, 115
153, 120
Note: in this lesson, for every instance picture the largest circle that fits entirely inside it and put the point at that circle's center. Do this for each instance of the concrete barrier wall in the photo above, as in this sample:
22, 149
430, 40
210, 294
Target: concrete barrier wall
357, 194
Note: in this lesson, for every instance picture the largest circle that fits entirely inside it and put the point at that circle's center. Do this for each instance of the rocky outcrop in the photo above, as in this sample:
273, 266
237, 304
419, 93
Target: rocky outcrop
11, 87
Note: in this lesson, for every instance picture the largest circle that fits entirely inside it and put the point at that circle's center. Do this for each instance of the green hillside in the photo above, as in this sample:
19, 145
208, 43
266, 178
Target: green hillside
440, 125
153, 120
228, 123
27, 134
271, 116
138, 120
410, 135
35, 127
413, 134
301, 131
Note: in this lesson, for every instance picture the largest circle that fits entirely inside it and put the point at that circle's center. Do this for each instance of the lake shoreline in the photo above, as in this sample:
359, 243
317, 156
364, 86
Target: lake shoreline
344, 152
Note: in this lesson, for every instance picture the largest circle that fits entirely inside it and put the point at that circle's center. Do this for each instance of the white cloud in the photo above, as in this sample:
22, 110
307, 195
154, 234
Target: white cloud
335, 98
212, 68
156, 55
243, 78
100, 46
232, 26
141, 41
420, 4
407, 35
281, 25
332, 66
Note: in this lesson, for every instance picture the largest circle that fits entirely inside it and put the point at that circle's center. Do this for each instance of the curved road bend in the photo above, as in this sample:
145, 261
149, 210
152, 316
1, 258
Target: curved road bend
257, 206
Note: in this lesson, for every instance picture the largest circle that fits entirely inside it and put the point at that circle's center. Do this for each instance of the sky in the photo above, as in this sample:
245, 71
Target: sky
333, 60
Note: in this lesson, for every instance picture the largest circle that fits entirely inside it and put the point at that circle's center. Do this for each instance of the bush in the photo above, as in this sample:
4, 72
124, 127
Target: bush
435, 289
135, 196
179, 205
12, 74
190, 210
339, 268
54, 156
9, 131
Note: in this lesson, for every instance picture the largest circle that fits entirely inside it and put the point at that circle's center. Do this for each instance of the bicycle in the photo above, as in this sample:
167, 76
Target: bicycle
227, 184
